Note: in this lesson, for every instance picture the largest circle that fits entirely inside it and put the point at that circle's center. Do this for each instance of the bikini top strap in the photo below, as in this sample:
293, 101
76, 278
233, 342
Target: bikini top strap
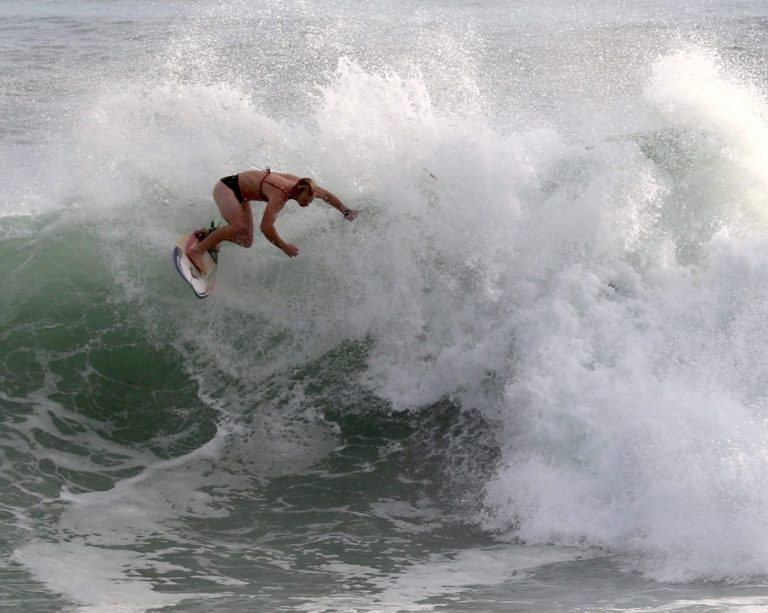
264, 179
261, 193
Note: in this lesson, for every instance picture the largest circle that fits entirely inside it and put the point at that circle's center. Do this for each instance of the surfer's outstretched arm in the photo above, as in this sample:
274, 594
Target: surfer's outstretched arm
333, 200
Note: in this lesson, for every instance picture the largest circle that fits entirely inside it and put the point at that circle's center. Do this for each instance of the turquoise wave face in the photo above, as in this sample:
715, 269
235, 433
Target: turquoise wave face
85, 385
117, 433
109, 442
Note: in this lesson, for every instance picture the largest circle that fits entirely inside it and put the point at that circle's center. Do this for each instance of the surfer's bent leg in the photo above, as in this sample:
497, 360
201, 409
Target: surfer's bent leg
239, 228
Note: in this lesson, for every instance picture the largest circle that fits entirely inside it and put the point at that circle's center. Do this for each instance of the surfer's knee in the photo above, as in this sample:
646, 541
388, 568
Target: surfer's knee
242, 234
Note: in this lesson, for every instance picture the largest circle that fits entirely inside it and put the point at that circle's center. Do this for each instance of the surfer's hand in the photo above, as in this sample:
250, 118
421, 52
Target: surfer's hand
350, 214
291, 250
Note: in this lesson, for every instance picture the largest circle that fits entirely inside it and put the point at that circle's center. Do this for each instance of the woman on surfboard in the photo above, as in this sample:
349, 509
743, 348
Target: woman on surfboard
233, 195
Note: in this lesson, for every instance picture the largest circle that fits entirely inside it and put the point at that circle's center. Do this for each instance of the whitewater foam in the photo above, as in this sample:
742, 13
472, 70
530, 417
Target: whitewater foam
630, 420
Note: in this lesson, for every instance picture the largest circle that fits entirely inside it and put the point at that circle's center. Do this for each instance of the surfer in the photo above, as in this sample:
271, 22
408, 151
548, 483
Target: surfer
233, 195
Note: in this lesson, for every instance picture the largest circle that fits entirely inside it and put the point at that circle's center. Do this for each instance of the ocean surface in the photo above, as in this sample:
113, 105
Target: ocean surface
531, 376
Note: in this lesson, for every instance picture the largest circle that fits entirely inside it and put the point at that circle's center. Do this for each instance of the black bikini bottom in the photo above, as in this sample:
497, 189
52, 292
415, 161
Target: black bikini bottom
233, 183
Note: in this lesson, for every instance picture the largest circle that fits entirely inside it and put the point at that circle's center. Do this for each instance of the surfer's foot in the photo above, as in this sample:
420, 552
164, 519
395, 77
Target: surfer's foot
197, 260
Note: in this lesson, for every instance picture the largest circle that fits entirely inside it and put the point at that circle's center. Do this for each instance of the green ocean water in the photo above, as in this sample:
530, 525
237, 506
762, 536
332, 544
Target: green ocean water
93, 400
100, 411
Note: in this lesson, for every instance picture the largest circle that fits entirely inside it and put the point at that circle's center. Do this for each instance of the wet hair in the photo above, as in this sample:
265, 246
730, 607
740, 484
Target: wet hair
304, 186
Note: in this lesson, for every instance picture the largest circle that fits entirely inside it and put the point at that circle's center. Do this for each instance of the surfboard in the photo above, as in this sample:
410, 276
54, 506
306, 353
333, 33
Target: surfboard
202, 284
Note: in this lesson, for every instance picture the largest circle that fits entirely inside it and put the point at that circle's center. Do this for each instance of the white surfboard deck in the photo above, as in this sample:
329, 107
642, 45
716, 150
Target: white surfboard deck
202, 284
